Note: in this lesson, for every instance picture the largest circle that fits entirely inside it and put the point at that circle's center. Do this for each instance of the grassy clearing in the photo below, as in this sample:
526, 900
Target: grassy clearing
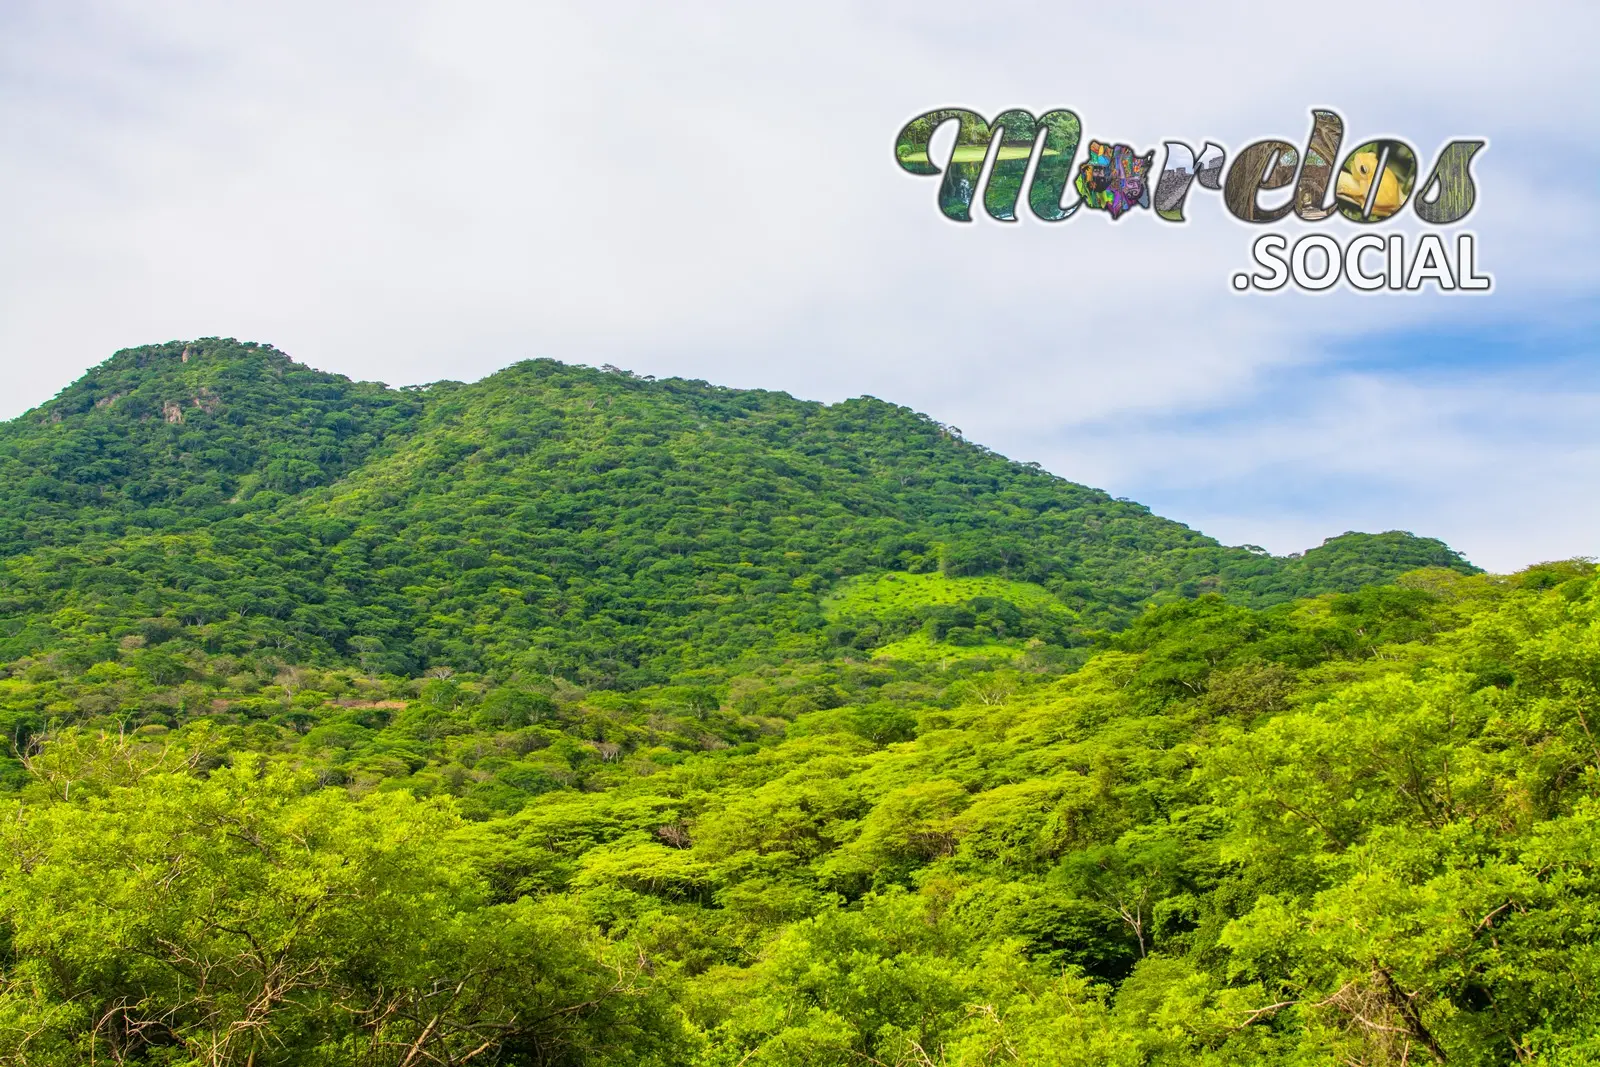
882, 594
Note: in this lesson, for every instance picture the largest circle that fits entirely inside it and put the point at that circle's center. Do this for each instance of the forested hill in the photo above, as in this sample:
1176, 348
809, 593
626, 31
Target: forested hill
556, 520
184, 433
573, 719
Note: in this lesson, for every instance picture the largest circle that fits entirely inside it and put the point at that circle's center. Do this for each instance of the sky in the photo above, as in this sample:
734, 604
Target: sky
413, 190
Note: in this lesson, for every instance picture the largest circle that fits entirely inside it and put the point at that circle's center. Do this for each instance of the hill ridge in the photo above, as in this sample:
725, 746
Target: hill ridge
615, 529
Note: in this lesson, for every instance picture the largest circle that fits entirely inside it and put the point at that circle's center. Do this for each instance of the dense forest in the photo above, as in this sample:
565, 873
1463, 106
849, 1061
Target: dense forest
571, 717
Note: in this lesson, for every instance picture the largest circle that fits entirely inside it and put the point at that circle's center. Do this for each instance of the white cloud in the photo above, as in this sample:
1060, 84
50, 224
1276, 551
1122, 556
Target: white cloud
1508, 470
419, 189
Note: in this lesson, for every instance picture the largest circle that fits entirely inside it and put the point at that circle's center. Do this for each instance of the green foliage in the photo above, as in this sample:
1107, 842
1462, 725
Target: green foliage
178, 436
1356, 828
558, 521
157, 915
584, 719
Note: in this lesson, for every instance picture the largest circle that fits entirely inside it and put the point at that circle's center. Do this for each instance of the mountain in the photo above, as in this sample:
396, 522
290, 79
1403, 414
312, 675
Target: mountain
550, 520
574, 719
175, 435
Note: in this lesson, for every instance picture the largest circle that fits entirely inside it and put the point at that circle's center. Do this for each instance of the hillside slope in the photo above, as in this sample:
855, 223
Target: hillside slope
555, 520
1356, 829
169, 435
570, 718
